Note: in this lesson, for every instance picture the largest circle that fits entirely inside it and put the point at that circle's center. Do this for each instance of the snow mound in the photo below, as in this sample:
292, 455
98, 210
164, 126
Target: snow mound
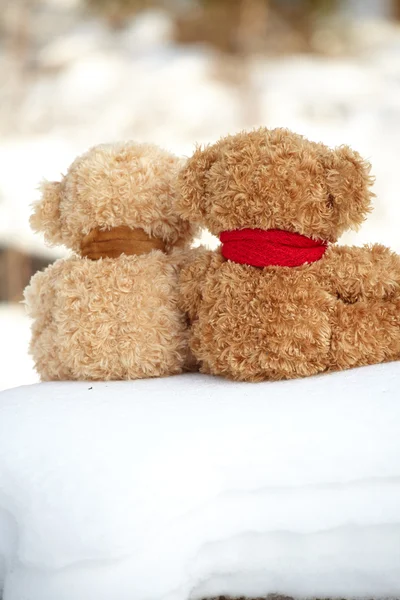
17, 366
192, 486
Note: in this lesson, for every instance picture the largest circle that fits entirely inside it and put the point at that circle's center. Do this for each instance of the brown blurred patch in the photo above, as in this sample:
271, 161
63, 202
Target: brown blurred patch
253, 26
16, 269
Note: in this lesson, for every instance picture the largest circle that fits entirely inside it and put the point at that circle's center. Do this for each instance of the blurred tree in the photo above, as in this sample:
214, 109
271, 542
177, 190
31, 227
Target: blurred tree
237, 26
232, 26
15, 27
304, 17
215, 22
118, 11
16, 41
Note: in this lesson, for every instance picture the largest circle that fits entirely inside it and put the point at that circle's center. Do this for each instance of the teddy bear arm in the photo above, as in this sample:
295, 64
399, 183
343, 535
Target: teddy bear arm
180, 257
200, 263
367, 272
38, 294
39, 301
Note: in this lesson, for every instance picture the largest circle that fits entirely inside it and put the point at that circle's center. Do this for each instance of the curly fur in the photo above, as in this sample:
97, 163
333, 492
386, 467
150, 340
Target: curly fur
253, 324
275, 179
109, 186
113, 318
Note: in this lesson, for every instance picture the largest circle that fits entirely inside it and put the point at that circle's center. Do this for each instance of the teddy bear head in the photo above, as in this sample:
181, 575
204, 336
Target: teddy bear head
111, 186
276, 179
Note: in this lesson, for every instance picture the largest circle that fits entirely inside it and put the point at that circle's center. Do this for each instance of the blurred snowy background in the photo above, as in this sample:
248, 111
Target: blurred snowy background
74, 73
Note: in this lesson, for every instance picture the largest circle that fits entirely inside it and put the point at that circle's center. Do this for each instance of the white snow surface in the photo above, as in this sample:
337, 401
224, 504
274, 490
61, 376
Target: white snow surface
16, 366
192, 486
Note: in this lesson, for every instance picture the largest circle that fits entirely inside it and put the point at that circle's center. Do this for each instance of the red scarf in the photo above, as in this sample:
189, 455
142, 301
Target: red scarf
270, 247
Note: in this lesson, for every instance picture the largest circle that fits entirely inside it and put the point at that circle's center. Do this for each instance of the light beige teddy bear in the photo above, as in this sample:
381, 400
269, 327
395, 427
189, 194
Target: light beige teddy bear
110, 311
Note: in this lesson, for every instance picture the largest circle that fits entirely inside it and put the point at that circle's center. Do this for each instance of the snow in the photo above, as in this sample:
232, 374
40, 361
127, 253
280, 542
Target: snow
40, 158
16, 365
193, 486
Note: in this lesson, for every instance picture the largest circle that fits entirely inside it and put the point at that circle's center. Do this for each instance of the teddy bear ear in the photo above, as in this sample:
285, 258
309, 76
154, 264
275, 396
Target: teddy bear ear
46, 212
192, 181
349, 182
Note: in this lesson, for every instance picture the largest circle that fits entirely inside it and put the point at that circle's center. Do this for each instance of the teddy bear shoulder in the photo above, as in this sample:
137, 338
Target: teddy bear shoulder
361, 260
151, 268
353, 272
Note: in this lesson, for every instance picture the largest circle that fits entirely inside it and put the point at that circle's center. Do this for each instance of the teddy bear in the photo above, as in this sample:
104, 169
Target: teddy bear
110, 310
279, 299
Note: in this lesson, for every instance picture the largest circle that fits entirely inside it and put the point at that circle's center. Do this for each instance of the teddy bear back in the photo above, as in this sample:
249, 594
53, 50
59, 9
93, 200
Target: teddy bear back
117, 194
276, 179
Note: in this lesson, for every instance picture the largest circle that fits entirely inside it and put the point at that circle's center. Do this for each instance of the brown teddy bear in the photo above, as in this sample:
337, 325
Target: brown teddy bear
279, 299
110, 311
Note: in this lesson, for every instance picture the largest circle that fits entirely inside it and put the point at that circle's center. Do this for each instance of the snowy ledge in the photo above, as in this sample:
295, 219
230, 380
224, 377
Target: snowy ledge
191, 486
